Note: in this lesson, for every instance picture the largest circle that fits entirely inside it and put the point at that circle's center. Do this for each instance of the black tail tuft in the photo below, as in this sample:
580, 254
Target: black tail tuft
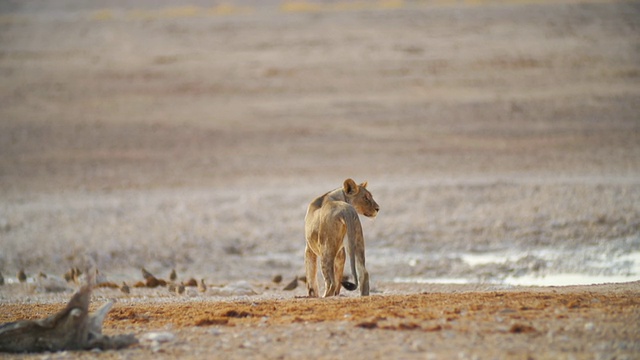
349, 285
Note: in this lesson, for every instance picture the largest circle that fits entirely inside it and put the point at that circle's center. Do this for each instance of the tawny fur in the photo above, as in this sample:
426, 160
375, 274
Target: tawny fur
329, 218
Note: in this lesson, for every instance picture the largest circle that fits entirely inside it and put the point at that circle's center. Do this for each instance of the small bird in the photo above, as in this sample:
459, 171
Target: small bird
292, 285
72, 275
277, 279
180, 289
202, 287
173, 276
146, 274
68, 276
152, 282
125, 288
1, 280
22, 277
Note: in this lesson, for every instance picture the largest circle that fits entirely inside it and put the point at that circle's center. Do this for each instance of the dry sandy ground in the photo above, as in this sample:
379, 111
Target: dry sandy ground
160, 135
431, 322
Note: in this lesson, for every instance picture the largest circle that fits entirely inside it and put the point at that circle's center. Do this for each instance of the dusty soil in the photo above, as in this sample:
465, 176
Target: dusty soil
433, 322
162, 135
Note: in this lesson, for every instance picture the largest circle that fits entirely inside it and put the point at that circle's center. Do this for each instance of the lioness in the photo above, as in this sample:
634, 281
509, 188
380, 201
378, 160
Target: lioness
329, 218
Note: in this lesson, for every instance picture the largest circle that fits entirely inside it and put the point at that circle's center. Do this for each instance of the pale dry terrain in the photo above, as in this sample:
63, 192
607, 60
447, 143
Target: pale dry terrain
162, 135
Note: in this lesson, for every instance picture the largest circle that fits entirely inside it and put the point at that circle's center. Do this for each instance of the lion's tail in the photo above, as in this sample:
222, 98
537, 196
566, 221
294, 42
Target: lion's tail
356, 253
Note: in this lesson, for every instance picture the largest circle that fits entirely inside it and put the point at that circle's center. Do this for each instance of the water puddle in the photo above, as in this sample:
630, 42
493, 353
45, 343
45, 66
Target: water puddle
568, 279
541, 267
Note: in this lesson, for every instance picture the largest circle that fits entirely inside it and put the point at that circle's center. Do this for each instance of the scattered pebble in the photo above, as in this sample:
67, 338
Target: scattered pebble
51, 284
417, 346
154, 339
160, 336
191, 292
215, 331
521, 328
234, 289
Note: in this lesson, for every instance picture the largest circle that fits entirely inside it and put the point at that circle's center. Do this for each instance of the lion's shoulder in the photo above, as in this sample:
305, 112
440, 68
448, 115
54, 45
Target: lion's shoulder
320, 201
317, 202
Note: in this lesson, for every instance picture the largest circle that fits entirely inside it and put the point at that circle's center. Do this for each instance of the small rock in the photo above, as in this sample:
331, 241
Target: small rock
51, 284
417, 346
160, 337
518, 328
236, 289
215, 331
154, 339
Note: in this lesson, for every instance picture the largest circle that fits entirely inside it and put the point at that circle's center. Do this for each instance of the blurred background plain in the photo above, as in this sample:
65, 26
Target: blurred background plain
500, 138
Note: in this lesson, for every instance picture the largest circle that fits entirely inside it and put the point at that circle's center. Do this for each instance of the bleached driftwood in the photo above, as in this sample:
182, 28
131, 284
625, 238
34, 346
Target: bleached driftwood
73, 328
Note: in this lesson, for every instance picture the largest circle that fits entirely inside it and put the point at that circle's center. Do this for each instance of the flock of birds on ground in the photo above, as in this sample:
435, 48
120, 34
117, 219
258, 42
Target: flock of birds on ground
76, 276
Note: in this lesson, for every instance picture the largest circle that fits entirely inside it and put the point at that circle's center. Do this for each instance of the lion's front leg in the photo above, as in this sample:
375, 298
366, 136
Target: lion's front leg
311, 267
363, 274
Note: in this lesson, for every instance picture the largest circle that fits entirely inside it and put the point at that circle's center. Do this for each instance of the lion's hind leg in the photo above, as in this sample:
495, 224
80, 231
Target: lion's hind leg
327, 263
339, 268
311, 267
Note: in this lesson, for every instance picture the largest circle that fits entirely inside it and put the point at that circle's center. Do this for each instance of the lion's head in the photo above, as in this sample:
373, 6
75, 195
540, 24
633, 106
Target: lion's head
360, 198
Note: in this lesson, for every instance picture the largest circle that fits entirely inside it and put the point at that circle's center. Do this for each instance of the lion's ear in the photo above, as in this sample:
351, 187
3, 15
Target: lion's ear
350, 187
364, 184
